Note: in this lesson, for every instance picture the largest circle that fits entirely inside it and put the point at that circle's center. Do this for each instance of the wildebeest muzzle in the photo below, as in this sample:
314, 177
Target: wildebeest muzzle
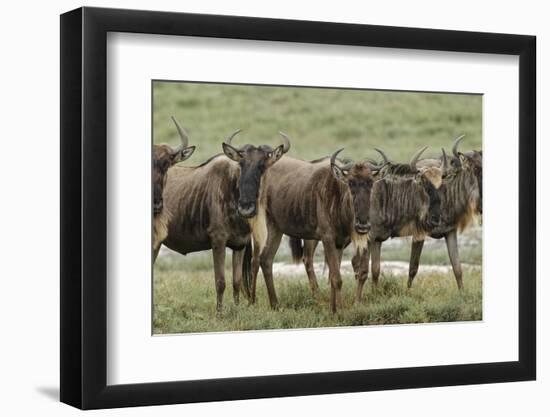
362, 228
247, 209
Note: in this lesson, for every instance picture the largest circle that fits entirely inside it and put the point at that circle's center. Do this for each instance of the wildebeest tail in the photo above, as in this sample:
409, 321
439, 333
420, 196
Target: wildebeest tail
297, 249
247, 269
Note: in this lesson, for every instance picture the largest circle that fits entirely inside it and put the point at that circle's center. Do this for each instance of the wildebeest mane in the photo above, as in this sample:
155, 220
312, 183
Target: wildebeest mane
208, 160
336, 197
459, 195
396, 169
342, 161
401, 207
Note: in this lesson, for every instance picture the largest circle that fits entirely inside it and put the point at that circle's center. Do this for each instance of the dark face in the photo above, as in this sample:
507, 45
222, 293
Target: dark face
432, 178
359, 179
253, 162
163, 158
473, 162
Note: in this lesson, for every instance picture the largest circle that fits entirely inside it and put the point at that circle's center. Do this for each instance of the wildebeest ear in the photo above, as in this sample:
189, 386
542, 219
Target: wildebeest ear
183, 154
231, 152
339, 173
276, 154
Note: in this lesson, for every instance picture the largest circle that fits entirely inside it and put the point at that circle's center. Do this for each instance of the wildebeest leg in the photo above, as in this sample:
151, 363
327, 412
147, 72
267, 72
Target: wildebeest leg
266, 262
374, 249
340, 254
452, 249
255, 270
218, 253
339, 293
360, 263
333, 256
237, 273
416, 251
309, 254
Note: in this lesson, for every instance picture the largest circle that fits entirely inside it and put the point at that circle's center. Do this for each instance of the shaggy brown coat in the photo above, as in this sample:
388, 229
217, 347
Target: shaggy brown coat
318, 201
416, 210
220, 204
461, 203
164, 157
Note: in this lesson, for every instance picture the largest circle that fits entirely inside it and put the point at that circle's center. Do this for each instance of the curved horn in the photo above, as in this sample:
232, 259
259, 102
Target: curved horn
286, 141
381, 152
373, 165
231, 136
414, 159
444, 162
348, 166
456, 143
334, 155
183, 135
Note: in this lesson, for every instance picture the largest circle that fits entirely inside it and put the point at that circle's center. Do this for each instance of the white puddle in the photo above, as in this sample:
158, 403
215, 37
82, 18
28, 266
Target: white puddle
283, 269
469, 238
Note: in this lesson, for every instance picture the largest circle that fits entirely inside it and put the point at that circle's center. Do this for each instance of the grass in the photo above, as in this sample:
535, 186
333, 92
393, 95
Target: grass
319, 121
184, 301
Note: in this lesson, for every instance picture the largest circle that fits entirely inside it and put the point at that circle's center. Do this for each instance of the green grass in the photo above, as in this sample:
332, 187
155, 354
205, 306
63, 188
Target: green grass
185, 301
319, 121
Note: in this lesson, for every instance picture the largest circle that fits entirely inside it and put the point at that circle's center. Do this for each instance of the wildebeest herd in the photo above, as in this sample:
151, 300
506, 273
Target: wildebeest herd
248, 197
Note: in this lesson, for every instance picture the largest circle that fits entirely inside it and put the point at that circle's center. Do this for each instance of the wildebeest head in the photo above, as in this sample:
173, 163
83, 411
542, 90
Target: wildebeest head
253, 162
430, 176
164, 156
358, 177
471, 162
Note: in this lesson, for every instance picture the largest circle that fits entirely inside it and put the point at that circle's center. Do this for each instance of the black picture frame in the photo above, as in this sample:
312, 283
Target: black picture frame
84, 207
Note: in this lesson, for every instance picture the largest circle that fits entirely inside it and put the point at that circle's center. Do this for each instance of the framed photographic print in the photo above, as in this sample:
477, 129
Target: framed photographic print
258, 207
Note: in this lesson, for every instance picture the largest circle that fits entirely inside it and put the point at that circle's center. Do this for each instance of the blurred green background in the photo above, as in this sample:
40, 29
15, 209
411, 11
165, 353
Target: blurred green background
318, 120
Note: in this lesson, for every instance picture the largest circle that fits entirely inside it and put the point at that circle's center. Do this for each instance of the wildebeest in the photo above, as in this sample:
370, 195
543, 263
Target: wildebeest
318, 200
423, 182
220, 204
404, 202
164, 156
461, 202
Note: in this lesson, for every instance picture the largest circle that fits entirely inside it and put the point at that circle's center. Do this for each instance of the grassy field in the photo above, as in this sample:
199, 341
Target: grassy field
184, 301
319, 121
